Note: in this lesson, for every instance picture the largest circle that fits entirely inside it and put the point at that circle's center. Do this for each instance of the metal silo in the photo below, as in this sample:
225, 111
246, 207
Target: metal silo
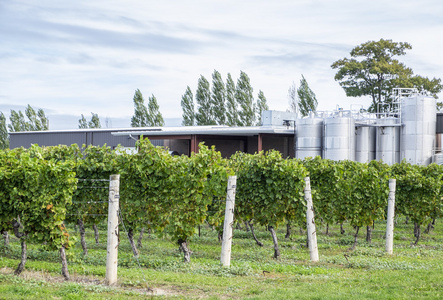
388, 140
309, 133
339, 137
365, 142
419, 119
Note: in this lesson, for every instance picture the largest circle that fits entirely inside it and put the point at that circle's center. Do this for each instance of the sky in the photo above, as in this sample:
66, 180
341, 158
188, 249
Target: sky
77, 57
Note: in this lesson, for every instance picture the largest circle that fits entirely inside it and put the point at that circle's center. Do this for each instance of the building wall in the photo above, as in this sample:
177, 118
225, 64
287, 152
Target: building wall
55, 138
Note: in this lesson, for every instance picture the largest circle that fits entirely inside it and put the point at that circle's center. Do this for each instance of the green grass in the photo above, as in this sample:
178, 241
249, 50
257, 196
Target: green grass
412, 272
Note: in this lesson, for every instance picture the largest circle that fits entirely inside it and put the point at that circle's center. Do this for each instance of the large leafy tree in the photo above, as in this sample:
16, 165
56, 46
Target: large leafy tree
187, 104
155, 118
4, 137
140, 117
307, 100
374, 71
218, 98
231, 103
245, 100
204, 115
261, 106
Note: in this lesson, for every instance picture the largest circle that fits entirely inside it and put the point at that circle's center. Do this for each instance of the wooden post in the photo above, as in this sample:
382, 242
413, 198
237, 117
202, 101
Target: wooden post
310, 223
390, 217
112, 244
229, 220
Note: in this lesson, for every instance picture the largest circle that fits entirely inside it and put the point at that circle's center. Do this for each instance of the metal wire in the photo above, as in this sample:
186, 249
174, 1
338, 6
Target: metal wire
90, 202
82, 179
92, 187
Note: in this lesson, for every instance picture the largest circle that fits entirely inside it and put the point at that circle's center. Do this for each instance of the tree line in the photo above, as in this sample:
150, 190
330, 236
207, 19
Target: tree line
373, 70
224, 103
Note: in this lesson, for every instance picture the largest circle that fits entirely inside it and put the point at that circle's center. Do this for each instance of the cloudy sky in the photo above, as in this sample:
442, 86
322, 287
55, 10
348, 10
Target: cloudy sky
77, 57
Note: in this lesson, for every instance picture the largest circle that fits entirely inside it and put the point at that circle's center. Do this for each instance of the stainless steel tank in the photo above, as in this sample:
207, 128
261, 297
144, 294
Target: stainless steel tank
339, 136
419, 119
388, 140
309, 135
365, 142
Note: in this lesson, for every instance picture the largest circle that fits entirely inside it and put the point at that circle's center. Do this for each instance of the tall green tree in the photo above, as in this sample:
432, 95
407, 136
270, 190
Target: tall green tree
218, 98
261, 106
155, 117
307, 101
36, 121
93, 123
187, 104
245, 100
140, 117
374, 71
82, 122
17, 121
4, 136
231, 103
204, 115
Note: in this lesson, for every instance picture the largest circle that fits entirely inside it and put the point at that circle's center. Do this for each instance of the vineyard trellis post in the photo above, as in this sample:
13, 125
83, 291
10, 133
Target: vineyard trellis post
112, 243
228, 223
390, 217
310, 223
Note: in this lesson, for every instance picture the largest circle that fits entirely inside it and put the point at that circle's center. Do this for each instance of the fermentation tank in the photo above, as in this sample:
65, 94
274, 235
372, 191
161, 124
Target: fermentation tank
419, 119
339, 136
388, 140
365, 142
309, 133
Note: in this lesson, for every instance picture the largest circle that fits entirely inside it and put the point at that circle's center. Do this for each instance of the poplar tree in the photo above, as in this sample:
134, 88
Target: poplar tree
155, 117
307, 99
140, 117
231, 103
4, 137
82, 122
245, 100
204, 115
95, 121
187, 104
218, 98
37, 121
17, 121
262, 105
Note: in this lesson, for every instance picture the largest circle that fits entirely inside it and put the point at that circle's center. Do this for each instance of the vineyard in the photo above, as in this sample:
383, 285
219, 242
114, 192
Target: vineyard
55, 199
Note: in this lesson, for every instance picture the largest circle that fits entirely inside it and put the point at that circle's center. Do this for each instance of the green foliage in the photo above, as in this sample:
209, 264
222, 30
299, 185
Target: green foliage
245, 101
269, 188
261, 106
94, 123
37, 121
205, 112
231, 103
307, 101
4, 136
187, 104
218, 98
155, 117
374, 71
418, 191
140, 117
35, 190
339, 194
